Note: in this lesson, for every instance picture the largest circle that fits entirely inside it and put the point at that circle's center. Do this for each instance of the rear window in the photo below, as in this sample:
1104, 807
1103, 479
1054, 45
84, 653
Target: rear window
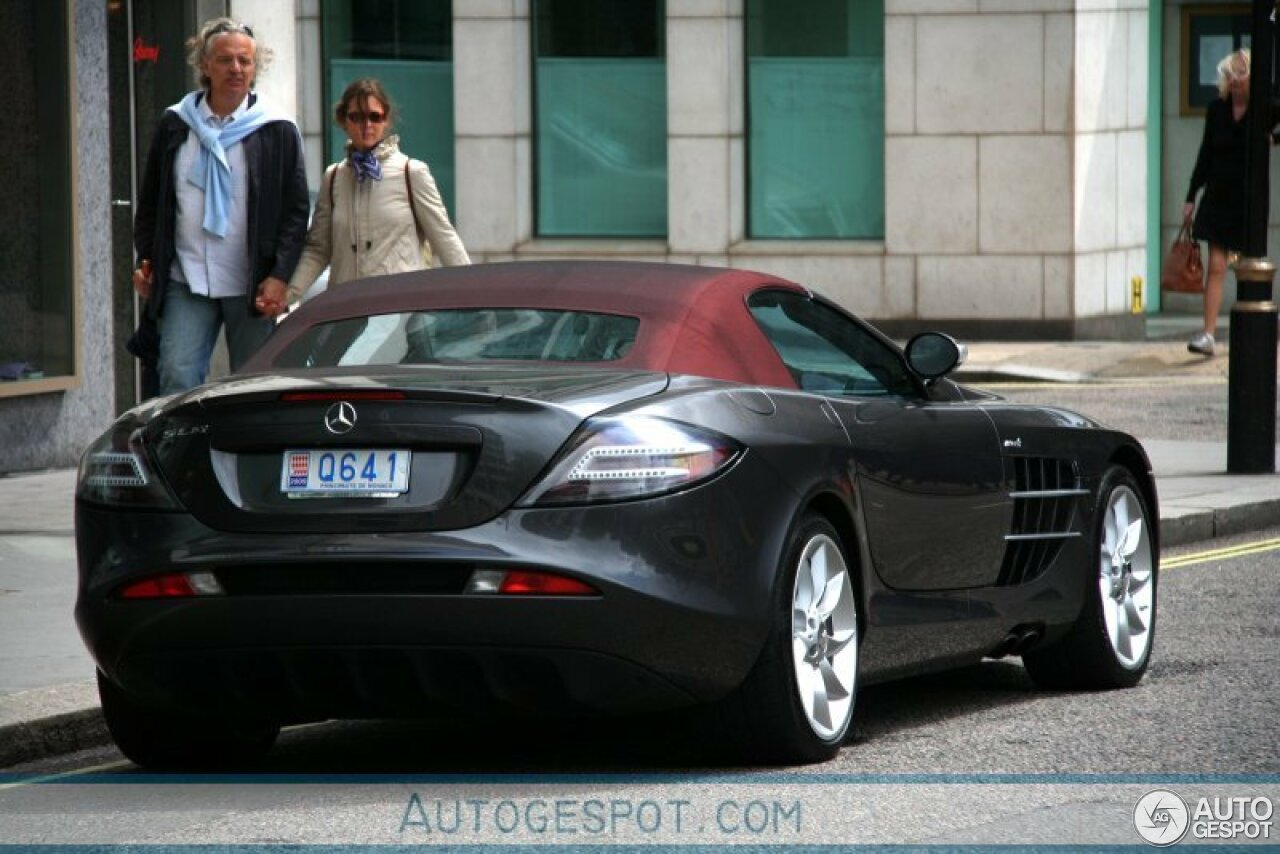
464, 335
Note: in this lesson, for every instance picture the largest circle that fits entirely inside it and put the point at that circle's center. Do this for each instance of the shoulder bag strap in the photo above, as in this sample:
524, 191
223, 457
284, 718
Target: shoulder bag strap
408, 187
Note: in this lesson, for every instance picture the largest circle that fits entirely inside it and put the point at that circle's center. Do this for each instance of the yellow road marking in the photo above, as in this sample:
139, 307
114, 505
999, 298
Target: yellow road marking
49, 778
1221, 554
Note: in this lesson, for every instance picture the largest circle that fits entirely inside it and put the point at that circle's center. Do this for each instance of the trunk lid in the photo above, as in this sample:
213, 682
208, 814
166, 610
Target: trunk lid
477, 438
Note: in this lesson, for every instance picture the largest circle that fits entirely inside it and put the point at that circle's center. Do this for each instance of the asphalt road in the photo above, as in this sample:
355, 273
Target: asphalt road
971, 757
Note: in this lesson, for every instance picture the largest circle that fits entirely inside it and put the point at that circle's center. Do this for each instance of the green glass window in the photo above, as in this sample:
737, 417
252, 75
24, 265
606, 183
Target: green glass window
600, 117
815, 113
36, 273
408, 45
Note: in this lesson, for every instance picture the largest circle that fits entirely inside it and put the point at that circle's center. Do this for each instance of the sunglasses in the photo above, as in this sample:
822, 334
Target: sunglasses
232, 28
373, 116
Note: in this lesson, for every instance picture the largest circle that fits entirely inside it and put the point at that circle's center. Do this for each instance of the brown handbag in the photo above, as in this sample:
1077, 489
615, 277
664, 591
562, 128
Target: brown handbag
1183, 271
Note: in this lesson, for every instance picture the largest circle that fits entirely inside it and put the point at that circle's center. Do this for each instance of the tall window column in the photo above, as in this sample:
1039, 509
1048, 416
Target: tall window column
600, 118
815, 117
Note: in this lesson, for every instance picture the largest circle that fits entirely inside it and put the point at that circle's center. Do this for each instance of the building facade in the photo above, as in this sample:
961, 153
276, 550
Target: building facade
56, 351
998, 168
977, 165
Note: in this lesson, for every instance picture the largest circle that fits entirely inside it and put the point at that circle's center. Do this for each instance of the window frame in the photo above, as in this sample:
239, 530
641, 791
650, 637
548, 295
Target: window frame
65, 97
857, 335
1192, 100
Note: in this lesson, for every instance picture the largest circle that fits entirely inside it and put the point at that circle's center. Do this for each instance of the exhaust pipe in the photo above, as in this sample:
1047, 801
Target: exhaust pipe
1027, 639
1019, 640
1005, 647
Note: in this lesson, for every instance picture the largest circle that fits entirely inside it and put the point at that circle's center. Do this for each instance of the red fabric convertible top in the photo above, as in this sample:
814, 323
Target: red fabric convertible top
693, 320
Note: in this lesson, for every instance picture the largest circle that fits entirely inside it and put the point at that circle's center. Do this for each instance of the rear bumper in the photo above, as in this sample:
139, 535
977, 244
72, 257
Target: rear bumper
685, 587
297, 684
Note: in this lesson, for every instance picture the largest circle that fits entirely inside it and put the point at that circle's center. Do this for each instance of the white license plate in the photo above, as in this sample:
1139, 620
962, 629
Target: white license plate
345, 473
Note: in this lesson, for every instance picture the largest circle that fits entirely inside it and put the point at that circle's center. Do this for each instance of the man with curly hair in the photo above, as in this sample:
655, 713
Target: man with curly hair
222, 211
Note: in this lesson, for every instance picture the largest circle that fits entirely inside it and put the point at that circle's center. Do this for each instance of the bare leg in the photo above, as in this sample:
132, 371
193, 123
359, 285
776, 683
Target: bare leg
1217, 273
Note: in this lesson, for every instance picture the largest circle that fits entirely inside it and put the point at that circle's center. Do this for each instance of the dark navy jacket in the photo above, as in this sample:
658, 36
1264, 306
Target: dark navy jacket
278, 204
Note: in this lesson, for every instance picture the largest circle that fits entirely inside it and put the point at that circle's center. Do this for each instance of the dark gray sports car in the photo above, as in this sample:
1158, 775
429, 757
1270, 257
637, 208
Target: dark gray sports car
581, 488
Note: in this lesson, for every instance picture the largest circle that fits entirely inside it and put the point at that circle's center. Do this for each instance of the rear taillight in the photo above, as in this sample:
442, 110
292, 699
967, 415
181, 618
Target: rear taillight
174, 585
116, 470
521, 582
616, 459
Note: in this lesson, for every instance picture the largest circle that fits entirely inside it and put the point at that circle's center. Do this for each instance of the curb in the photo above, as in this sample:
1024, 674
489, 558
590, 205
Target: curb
1187, 528
54, 735
1223, 522
44, 722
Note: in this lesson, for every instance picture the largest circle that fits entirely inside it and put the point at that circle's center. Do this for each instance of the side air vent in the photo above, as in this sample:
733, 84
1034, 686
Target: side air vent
1045, 494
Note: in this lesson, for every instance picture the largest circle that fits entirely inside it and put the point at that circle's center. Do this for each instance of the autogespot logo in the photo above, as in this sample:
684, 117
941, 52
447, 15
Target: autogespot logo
1161, 817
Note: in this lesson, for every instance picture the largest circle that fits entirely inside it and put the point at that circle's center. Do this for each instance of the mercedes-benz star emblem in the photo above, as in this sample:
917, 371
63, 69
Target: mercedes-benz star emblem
340, 418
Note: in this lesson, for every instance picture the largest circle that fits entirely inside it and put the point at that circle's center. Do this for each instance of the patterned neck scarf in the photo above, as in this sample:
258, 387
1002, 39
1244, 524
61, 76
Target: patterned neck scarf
367, 165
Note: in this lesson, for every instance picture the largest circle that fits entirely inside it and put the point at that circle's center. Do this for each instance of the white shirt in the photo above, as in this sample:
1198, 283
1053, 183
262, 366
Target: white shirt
211, 266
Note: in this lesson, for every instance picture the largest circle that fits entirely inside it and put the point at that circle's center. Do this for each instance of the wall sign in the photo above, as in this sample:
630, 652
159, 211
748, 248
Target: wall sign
143, 52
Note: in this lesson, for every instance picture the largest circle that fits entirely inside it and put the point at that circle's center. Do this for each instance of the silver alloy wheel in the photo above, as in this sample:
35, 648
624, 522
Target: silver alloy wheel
1125, 577
824, 629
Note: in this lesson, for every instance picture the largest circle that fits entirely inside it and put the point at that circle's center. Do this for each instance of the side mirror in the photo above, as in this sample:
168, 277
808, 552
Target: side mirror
933, 354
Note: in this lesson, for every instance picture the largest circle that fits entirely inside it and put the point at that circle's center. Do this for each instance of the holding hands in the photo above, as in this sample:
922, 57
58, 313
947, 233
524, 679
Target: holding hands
272, 297
271, 300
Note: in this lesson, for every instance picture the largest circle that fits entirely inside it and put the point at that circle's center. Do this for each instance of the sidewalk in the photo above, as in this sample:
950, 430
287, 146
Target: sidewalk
48, 699
48, 702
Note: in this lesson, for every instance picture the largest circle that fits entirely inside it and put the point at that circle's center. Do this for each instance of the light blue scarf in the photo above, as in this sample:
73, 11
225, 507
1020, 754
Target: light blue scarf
212, 173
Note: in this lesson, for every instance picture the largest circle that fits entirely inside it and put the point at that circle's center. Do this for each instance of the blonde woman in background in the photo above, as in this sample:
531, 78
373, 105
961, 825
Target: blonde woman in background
1219, 170
378, 210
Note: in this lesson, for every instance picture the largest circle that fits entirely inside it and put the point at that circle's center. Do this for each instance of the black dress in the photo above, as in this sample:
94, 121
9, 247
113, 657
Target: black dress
1219, 169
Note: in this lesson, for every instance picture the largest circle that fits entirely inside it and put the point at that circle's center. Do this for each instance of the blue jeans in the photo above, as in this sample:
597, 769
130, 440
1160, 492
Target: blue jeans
189, 328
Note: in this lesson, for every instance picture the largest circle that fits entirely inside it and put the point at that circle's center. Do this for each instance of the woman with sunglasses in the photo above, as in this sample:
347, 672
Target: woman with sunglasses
378, 211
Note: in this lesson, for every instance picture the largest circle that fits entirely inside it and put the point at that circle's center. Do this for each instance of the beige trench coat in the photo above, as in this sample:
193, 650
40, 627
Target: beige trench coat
362, 229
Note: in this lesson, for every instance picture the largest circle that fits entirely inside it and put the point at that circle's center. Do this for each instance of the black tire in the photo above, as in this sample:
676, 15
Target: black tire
168, 740
1094, 655
766, 714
